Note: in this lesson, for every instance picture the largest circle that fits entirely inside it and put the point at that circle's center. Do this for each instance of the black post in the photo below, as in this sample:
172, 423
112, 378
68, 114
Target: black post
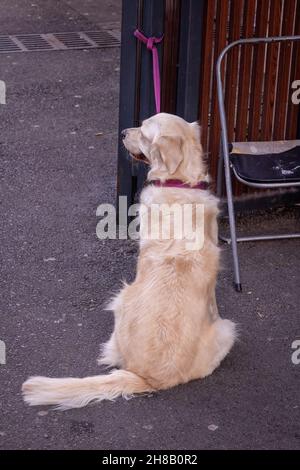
127, 111
136, 88
152, 25
136, 84
190, 59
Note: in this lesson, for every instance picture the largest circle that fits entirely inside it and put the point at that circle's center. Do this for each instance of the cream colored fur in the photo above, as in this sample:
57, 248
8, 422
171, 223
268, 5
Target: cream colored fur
167, 327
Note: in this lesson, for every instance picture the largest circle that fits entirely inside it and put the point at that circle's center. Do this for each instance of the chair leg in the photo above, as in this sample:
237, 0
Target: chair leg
237, 280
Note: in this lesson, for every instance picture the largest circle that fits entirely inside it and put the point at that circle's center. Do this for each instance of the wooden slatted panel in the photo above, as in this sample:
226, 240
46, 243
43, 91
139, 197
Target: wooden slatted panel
284, 67
253, 100
206, 71
293, 110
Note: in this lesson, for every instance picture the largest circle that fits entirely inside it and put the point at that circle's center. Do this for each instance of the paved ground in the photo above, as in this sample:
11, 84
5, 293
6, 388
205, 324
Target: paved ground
56, 274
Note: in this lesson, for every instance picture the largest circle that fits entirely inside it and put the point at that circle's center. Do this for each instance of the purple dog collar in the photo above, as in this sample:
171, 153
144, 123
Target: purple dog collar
179, 184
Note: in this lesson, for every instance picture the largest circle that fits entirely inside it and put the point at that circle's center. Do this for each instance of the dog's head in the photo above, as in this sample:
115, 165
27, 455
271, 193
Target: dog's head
170, 145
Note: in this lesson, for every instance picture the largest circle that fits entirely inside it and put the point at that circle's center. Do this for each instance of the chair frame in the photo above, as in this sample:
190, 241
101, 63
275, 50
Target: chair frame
225, 158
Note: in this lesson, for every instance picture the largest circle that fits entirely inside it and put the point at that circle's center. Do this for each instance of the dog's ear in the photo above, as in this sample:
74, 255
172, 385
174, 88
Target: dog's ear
197, 131
168, 149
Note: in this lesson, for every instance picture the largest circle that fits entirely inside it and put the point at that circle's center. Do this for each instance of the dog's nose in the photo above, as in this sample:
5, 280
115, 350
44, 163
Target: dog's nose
123, 133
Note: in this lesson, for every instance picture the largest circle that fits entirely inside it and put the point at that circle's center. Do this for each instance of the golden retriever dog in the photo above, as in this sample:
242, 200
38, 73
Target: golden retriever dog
167, 328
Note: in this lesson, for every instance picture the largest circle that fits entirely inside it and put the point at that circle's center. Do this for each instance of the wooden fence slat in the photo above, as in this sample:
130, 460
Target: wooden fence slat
236, 15
293, 110
284, 72
245, 71
284, 67
258, 68
271, 71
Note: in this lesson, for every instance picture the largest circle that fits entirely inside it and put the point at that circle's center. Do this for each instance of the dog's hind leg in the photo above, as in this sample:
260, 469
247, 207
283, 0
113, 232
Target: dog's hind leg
110, 354
215, 345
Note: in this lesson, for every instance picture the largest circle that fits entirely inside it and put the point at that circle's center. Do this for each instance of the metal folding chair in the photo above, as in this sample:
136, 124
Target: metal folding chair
276, 171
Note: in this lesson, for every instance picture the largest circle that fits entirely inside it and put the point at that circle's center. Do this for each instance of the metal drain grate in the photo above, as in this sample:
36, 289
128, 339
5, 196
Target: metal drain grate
33, 42
7, 45
57, 41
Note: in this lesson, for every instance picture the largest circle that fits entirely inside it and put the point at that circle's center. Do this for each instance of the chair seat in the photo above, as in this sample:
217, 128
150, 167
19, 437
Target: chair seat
283, 167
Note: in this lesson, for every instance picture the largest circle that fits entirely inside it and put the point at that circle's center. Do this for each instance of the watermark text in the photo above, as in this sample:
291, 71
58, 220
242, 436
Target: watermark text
153, 222
2, 92
296, 354
2, 353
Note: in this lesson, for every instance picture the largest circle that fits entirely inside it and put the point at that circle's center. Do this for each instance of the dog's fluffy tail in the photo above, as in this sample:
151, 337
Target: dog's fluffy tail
69, 393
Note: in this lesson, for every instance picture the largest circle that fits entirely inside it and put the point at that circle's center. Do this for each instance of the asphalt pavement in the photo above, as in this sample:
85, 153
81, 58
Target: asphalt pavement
56, 275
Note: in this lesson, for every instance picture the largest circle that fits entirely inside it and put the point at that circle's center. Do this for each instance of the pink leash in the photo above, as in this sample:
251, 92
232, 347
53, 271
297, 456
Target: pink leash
151, 46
